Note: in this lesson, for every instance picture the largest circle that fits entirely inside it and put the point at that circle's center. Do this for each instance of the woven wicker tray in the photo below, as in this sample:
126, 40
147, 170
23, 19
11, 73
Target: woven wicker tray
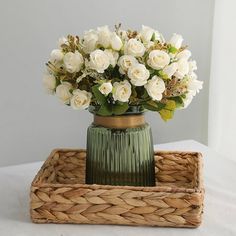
59, 193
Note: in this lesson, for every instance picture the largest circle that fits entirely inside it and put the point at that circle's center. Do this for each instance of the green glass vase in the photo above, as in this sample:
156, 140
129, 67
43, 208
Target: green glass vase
120, 151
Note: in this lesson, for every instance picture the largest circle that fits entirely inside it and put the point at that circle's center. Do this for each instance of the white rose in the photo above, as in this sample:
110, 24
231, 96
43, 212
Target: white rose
158, 36
188, 99
185, 54
158, 59
138, 74
183, 68
99, 61
192, 67
170, 69
56, 56
146, 33
90, 40
113, 56
149, 44
61, 41
116, 43
176, 41
49, 83
125, 62
155, 87
134, 47
73, 61
105, 88
121, 91
80, 99
104, 36
194, 86
63, 92
123, 34
193, 75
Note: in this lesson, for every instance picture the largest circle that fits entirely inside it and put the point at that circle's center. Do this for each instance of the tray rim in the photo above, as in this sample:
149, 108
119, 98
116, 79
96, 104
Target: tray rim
164, 188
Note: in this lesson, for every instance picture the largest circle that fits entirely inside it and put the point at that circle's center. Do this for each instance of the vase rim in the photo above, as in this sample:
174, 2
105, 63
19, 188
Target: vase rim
132, 110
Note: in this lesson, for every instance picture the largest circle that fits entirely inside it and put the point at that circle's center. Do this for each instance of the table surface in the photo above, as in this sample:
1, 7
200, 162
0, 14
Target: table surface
219, 215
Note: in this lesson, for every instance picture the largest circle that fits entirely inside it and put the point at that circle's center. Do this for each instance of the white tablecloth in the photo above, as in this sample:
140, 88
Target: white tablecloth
220, 202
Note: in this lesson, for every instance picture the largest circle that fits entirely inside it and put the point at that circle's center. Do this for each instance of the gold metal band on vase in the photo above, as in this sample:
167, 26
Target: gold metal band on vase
120, 122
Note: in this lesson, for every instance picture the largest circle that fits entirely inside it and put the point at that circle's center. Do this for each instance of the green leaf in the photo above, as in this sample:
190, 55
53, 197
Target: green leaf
145, 94
163, 75
172, 49
152, 71
105, 110
170, 105
134, 92
178, 101
166, 114
98, 95
58, 82
153, 105
153, 37
120, 108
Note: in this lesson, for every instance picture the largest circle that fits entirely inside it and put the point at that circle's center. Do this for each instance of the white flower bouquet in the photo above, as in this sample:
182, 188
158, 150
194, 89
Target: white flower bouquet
113, 71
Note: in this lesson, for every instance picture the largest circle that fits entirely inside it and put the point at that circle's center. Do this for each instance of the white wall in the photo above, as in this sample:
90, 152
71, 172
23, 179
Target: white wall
222, 106
32, 123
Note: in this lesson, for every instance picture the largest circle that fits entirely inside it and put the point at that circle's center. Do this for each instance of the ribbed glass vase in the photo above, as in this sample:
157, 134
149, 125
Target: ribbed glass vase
118, 153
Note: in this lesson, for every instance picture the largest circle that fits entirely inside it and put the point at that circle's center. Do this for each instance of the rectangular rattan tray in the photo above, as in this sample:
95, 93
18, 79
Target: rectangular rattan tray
59, 193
